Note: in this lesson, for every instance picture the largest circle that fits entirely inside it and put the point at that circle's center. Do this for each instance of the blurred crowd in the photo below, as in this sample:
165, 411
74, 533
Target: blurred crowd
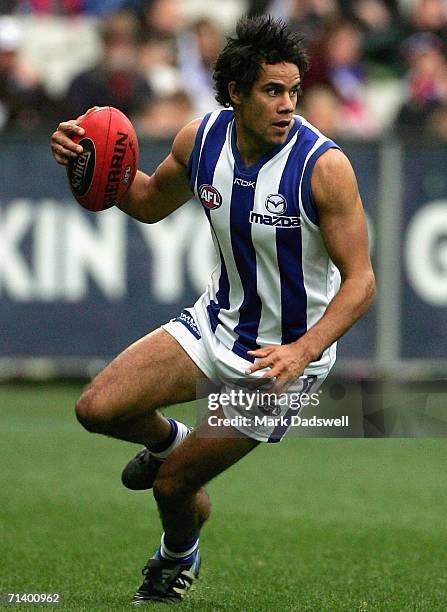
377, 66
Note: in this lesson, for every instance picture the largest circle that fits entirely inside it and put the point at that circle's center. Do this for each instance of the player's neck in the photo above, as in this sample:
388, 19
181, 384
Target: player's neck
250, 148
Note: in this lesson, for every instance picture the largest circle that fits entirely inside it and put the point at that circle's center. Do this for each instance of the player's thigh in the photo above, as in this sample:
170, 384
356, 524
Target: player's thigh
205, 453
152, 372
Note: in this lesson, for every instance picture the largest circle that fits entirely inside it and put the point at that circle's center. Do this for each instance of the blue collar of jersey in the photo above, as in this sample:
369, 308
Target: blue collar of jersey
254, 168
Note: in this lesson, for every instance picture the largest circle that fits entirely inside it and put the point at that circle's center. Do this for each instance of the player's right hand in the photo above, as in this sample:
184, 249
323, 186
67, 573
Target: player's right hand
62, 145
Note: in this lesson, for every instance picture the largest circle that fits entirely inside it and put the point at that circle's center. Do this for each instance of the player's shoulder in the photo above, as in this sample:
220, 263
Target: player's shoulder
333, 181
332, 164
184, 141
187, 137
333, 177
312, 135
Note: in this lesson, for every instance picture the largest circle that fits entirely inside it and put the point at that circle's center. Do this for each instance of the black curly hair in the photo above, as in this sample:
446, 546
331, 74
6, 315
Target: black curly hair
258, 40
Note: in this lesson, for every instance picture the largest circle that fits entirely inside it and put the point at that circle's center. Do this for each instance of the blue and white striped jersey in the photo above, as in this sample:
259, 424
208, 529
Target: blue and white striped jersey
274, 278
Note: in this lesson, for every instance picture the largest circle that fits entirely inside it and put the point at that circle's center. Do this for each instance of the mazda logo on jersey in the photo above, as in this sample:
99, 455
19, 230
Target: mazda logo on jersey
276, 204
210, 197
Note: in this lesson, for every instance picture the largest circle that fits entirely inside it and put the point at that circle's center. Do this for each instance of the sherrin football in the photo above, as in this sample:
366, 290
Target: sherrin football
102, 174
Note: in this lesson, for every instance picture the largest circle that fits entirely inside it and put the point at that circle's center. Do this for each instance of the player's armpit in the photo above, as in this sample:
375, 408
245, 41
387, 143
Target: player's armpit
153, 198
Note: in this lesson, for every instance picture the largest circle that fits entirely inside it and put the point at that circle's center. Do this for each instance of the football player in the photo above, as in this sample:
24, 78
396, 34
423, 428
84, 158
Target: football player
287, 224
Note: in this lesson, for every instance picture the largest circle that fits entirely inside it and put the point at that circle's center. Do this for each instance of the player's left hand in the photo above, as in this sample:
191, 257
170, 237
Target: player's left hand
285, 364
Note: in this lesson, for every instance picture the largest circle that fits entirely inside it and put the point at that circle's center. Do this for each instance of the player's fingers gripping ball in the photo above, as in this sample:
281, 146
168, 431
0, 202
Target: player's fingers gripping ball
102, 174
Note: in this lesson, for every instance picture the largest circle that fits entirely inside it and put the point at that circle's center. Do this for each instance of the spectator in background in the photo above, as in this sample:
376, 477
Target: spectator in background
162, 19
321, 107
24, 105
158, 63
426, 81
337, 63
198, 49
381, 25
49, 7
99, 8
116, 80
163, 116
436, 126
307, 16
8, 7
310, 16
258, 7
429, 16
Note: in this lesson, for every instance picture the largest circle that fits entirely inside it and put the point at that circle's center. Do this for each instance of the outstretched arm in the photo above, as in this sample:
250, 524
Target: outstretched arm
343, 229
152, 198
149, 198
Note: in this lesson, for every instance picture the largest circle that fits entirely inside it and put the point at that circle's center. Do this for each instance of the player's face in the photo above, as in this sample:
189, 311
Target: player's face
266, 113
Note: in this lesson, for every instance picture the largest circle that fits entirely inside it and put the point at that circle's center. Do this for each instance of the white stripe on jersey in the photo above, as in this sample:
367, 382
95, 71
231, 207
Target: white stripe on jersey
215, 274
211, 120
321, 140
220, 219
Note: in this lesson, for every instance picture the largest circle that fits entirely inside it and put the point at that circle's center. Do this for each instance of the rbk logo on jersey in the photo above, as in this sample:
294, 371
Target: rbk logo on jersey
210, 197
244, 183
276, 204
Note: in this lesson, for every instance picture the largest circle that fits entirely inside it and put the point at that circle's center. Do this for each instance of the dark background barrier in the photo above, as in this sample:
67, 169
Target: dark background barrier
423, 239
79, 285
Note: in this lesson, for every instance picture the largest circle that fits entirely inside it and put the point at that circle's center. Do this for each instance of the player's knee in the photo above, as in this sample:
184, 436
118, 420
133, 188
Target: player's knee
91, 412
172, 489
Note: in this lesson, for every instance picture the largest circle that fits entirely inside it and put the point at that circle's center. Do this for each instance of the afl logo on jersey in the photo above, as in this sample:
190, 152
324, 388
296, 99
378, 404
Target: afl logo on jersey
210, 197
276, 204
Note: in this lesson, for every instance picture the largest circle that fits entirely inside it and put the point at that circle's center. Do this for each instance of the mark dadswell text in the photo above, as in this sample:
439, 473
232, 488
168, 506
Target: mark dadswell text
270, 421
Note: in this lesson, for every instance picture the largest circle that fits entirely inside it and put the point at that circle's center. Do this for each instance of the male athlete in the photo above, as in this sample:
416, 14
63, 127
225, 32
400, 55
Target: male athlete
285, 213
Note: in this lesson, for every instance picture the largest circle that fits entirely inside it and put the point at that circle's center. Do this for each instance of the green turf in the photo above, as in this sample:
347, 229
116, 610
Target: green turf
355, 525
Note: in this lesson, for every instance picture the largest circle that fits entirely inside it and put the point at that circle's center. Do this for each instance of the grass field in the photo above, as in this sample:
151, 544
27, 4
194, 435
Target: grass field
310, 524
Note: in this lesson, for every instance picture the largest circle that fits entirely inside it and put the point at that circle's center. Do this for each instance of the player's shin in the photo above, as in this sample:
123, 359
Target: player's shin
141, 471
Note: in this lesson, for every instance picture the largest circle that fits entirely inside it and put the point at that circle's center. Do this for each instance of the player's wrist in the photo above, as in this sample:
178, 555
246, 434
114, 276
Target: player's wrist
309, 347
135, 201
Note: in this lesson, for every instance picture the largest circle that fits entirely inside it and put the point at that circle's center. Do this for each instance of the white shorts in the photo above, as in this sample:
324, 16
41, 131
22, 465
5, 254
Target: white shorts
260, 418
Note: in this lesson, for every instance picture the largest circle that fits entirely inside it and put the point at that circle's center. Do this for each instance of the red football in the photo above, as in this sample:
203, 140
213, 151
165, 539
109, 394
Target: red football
100, 177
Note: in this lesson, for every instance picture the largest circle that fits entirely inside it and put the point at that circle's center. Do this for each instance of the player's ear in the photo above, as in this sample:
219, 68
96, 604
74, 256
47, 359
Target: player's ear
234, 93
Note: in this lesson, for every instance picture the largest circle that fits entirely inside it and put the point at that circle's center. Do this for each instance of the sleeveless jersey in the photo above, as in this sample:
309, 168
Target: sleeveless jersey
274, 278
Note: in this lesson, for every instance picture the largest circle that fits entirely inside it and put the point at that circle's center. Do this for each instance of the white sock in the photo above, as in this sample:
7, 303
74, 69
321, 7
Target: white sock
179, 433
181, 554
